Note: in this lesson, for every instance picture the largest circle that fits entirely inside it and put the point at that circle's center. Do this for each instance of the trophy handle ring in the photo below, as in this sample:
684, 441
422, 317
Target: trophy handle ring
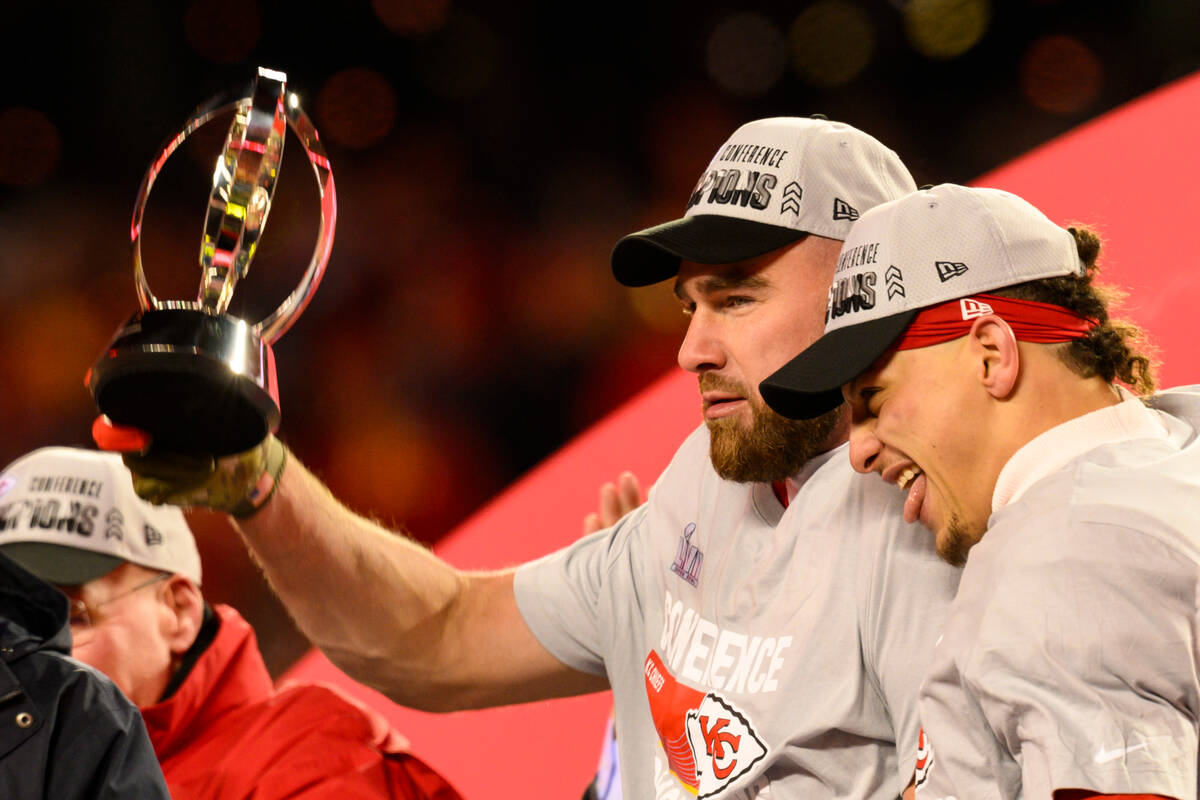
255, 142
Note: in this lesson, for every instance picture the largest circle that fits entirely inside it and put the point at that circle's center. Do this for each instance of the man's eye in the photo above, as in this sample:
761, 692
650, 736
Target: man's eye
735, 301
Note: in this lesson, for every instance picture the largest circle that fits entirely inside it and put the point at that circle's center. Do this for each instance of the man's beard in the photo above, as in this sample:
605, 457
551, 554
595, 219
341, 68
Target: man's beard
956, 542
774, 448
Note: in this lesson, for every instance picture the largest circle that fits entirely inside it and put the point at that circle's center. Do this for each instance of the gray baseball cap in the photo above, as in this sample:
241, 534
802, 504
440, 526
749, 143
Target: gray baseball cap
939, 244
70, 516
774, 181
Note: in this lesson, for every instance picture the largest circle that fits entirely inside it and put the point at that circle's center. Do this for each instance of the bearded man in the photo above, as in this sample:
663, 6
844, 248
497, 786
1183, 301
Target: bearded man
762, 620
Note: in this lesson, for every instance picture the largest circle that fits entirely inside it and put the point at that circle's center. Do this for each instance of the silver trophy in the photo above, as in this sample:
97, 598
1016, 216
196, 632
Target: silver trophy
194, 377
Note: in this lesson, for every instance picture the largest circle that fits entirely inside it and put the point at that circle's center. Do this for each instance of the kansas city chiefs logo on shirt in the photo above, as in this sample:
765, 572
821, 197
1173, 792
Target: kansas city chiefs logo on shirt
708, 742
724, 744
924, 758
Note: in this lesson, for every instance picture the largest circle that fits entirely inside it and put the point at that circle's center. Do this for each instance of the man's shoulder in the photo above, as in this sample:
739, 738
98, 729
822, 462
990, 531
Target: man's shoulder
1179, 401
1131, 489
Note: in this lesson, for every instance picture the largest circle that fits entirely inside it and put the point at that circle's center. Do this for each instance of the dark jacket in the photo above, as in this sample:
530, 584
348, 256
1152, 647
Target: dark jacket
66, 731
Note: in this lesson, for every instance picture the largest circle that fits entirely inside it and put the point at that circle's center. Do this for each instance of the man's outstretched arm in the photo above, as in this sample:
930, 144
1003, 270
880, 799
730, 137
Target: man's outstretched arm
380, 606
394, 616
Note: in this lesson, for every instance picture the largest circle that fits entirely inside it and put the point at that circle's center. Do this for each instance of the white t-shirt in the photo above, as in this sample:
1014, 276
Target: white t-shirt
752, 651
1070, 658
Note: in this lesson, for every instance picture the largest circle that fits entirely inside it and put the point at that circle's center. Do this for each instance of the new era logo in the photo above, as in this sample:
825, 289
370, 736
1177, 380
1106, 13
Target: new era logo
949, 269
843, 210
973, 308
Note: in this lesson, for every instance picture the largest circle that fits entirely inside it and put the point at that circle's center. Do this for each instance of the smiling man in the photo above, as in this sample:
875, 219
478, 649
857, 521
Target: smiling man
985, 380
763, 620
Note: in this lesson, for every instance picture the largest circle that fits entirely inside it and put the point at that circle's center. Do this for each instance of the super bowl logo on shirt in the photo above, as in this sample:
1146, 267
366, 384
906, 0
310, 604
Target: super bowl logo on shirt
688, 557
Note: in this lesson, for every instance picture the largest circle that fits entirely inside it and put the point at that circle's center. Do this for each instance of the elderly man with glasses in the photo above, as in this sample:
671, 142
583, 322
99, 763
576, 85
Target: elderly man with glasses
219, 728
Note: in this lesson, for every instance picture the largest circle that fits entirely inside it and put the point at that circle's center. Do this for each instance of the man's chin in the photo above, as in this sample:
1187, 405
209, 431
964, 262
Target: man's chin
771, 448
954, 541
738, 425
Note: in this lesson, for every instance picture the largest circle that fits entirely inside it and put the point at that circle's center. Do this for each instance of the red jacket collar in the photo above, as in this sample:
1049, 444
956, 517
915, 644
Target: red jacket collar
230, 674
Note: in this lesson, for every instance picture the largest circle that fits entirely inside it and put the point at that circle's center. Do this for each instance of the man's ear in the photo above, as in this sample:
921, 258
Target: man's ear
186, 605
994, 349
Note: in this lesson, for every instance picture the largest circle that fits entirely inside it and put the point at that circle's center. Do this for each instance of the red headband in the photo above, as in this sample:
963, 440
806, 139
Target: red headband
1030, 321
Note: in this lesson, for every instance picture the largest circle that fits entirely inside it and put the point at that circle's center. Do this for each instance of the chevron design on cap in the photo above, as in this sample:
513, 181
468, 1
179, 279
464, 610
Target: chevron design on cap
791, 198
895, 281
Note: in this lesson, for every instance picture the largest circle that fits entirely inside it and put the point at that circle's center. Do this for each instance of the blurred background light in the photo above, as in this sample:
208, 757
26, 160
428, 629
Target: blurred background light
409, 17
945, 29
658, 307
29, 146
1060, 74
356, 108
459, 60
746, 54
832, 42
224, 31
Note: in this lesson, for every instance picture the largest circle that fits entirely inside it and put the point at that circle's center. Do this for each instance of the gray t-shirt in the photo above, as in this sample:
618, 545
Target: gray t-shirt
1069, 659
752, 651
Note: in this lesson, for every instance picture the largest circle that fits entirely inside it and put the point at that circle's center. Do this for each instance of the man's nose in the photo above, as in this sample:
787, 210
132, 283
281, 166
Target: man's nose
865, 447
701, 349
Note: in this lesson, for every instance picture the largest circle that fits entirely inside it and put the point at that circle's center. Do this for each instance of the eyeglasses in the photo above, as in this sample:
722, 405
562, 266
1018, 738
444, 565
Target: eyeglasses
83, 614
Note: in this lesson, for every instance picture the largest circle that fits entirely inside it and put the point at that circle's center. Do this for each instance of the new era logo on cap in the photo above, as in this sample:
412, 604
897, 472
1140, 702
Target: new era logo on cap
973, 308
843, 210
949, 269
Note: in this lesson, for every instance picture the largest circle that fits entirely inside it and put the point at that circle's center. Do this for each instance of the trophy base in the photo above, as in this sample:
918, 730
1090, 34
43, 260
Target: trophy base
198, 383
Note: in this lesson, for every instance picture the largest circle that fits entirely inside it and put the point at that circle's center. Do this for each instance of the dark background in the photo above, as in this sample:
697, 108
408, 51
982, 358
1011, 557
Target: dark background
487, 157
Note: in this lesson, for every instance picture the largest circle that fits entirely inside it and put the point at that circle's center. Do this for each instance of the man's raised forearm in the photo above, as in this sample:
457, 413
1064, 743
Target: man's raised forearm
394, 616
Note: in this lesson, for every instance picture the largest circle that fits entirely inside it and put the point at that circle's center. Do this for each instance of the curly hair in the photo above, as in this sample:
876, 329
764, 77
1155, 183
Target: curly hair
1111, 350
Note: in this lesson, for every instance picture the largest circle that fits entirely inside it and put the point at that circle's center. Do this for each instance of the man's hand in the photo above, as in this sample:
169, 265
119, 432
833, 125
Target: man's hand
616, 500
238, 484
